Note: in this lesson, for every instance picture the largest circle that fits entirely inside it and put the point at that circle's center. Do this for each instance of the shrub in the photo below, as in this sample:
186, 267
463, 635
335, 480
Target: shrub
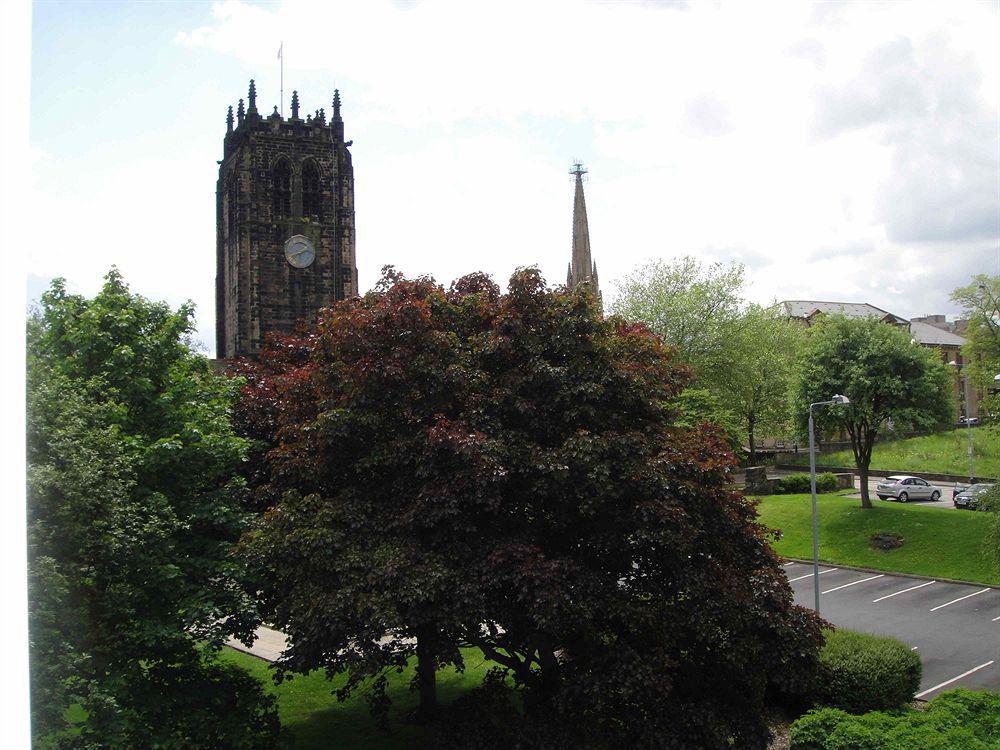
797, 483
956, 720
860, 672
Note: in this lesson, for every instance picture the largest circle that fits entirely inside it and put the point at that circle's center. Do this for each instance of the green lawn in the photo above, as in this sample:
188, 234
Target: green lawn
937, 542
318, 722
943, 452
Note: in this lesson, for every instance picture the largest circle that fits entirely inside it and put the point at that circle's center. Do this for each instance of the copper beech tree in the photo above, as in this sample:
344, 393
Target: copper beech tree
465, 467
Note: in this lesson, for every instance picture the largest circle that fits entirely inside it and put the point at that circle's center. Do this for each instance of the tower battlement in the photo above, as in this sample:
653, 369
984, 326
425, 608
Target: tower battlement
246, 120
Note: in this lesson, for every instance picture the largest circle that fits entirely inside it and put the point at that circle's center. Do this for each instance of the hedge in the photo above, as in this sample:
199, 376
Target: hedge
957, 720
859, 672
797, 483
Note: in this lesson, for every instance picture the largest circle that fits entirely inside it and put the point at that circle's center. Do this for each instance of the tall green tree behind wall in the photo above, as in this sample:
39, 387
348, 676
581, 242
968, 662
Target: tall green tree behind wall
886, 376
740, 353
980, 300
132, 514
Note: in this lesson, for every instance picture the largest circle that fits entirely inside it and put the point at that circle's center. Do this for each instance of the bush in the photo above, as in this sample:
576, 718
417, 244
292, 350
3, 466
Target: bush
859, 672
797, 483
957, 720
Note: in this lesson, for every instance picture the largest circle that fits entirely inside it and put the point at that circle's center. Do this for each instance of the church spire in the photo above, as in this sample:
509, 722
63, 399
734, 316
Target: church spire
582, 268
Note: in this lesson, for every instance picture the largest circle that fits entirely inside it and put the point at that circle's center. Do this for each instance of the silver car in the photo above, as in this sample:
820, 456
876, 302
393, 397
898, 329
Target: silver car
903, 488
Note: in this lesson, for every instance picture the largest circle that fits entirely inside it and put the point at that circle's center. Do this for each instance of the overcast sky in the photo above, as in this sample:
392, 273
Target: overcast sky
841, 151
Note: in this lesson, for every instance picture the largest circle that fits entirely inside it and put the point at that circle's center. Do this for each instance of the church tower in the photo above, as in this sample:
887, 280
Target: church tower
582, 269
284, 223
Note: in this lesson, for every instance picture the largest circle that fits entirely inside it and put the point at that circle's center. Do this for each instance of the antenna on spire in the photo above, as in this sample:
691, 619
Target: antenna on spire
578, 169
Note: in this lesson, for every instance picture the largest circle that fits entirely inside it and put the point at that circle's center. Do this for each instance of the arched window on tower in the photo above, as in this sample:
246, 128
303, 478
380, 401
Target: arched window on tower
311, 205
281, 189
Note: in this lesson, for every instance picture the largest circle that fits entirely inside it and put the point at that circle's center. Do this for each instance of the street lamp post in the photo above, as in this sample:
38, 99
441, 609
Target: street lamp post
968, 413
837, 399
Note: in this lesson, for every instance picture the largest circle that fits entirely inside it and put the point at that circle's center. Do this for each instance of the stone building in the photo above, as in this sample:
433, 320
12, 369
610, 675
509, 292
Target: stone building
581, 269
284, 223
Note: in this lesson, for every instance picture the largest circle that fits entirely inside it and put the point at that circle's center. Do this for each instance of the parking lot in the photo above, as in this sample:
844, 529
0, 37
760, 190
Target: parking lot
955, 627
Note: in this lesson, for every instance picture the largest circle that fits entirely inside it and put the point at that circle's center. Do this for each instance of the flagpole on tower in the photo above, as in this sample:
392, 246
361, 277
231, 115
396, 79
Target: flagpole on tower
282, 58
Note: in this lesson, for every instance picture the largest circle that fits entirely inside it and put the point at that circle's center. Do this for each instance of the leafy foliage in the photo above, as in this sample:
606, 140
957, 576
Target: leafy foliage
980, 301
957, 720
740, 353
883, 373
794, 483
132, 516
503, 470
861, 672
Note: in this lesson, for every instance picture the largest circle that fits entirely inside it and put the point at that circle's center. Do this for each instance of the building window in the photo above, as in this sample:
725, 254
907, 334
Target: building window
282, 189
310, 190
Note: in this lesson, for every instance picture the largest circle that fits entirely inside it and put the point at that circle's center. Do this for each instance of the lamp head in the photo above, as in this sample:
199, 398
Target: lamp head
839, 399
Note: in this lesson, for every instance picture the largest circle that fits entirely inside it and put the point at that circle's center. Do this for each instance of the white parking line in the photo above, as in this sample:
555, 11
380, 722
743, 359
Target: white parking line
974, 593
913, 649
953, 679
785, 565
854, 583
995, 619
912, 588
809, 575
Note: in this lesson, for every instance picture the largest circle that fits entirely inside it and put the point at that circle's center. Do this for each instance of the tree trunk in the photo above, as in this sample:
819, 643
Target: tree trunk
426, 674
753, 450
864, 461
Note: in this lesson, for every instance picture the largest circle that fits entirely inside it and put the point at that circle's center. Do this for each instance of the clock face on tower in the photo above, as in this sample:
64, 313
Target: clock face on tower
299, 251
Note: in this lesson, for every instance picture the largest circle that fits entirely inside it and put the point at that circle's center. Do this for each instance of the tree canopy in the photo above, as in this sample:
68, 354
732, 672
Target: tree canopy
740, 353
132, 516
465, 467
980, 301
882, 371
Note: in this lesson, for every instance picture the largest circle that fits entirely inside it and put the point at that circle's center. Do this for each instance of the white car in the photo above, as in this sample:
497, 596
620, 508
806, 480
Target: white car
903, 488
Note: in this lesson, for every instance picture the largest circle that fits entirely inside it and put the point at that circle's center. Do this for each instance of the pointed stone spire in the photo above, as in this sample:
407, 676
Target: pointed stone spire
322, 115
229, 119
336, 106
295, 105
252, 99
240, 113
582, 270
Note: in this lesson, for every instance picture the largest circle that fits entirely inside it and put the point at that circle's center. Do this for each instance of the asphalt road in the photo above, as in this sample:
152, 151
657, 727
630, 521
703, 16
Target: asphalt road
955, 627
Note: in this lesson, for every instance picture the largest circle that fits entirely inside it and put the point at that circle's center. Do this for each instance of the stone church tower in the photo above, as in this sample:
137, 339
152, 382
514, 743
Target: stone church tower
582, 269
284, 223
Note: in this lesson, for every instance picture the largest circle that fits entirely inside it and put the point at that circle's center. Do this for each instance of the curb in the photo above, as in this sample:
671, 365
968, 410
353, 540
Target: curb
894, 573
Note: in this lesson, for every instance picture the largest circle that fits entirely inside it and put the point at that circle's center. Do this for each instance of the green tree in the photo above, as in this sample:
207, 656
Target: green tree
882, 371
132, 515
505, 471
980, 301
756, 382
693, 307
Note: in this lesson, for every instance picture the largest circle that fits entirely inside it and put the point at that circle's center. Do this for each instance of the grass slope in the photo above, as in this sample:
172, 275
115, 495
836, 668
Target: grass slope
318, 722
937, 542
943, 452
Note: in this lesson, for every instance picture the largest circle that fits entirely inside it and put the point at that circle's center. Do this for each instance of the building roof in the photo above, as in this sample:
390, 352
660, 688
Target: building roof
924, 333
801, 308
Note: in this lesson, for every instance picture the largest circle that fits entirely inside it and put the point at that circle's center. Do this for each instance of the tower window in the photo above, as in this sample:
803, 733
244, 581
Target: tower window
310, 190
282, 189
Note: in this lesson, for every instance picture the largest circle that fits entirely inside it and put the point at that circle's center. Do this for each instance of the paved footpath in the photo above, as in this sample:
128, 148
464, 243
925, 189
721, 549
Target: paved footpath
955, 627
268, 646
